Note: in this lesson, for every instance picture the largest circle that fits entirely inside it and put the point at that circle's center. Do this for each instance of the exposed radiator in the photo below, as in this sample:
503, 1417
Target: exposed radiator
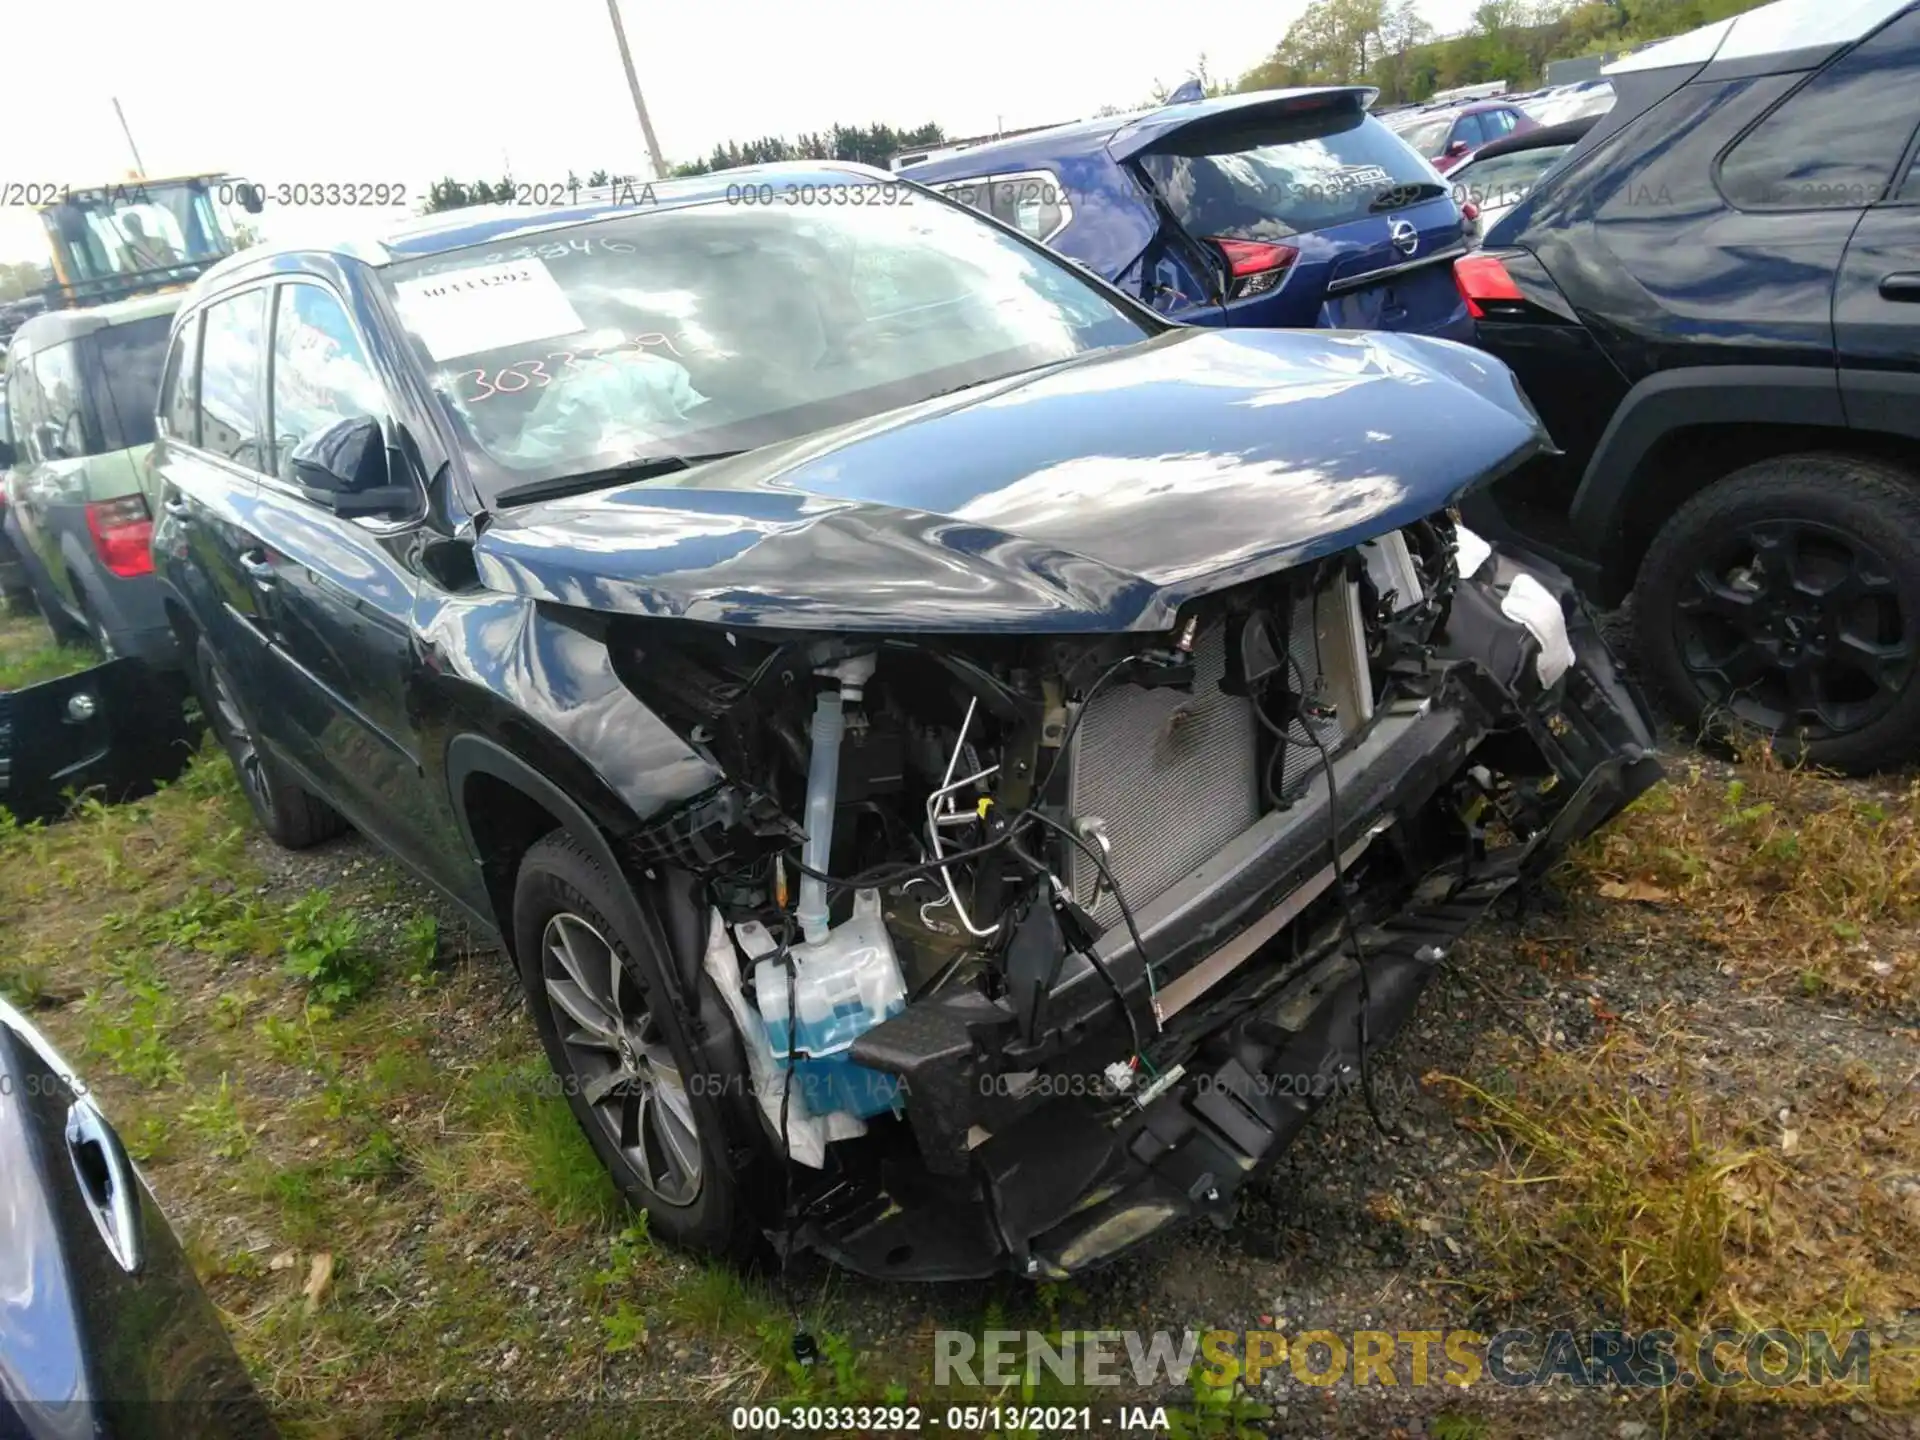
1174, 776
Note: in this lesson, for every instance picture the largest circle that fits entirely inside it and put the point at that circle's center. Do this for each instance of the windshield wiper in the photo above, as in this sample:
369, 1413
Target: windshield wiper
646, 468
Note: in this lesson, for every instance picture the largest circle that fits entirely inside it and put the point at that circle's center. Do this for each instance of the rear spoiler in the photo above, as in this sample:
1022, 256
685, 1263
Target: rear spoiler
1143, 134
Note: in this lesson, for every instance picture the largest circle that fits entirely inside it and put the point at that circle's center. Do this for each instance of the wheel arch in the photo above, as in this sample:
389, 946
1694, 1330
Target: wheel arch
1679, 431
504, 804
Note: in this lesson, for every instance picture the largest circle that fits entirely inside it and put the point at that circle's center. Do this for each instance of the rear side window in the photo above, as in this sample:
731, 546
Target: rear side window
1034, 202
63, 401
1268, 178
1833, 143
232, 358
179, 408
23, 409
129, 357
1428, 137
1502, 180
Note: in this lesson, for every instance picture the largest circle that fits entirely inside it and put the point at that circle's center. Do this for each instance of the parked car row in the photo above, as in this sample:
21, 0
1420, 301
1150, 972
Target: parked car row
1498, 176
1713, 300
75, 523
1448, 134
80, 388
1703, 269
1286, 207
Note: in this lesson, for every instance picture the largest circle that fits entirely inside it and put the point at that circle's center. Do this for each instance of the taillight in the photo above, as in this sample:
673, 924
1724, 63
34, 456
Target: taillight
1484, 281
1256, 265
122, 531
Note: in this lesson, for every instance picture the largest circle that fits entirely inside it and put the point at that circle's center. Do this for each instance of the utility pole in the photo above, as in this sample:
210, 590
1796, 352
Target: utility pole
126, 130
633, 85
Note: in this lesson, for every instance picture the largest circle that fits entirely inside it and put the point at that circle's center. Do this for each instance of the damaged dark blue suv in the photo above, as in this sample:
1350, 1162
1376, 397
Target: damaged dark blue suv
961, 764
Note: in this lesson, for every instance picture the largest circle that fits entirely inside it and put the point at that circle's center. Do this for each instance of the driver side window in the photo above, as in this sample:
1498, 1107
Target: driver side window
321, 375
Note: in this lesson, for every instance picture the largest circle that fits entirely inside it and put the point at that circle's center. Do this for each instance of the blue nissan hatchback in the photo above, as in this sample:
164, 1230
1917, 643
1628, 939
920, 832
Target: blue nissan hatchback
1277, 208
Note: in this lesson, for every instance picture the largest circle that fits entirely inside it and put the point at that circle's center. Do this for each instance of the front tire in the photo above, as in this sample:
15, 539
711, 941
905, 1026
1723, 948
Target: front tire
292, 816
600, 1002
1785, 599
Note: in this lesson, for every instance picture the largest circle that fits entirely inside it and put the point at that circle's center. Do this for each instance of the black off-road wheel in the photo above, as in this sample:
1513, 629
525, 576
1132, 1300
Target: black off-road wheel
292, 816
621, 1052
1785, 599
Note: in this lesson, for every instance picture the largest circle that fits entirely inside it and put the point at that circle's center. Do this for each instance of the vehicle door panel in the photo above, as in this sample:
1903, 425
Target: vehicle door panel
1733, 235
339, 601
340, 592
138, 1346
1876, 314
212, 420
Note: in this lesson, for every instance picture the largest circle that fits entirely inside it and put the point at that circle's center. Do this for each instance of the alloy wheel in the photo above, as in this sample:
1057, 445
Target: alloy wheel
245, 754
1795, 626
626, 1073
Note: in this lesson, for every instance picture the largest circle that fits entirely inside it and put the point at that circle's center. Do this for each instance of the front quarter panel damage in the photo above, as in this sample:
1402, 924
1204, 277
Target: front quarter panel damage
1046, 1132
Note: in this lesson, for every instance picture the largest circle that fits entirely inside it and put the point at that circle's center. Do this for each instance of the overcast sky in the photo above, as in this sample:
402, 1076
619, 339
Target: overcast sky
405, 91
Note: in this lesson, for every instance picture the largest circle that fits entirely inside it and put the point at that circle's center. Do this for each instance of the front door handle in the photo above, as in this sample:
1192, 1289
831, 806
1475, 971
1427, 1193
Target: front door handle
259, 569
1903, 286
105, 1174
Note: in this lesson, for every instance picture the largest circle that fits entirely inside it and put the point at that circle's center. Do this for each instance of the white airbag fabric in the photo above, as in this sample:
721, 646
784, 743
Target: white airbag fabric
1532, 605
1470, 552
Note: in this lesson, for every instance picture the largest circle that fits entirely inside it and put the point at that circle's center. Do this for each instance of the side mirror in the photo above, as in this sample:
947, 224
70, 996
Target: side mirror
346, 469
251, 199
6, 454
1458, 148
51, 440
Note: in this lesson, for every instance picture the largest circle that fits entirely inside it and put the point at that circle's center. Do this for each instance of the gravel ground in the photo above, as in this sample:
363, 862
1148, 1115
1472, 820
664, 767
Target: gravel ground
1354, 1229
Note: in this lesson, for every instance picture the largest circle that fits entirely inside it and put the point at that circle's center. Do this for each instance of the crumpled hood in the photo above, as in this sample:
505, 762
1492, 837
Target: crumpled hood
1093, 496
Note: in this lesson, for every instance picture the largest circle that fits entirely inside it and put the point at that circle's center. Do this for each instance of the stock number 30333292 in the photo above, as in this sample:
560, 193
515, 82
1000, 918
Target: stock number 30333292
539, 371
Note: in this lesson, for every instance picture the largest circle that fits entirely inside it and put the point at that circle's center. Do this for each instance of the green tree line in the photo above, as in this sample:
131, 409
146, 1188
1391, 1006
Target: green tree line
21, 278
870, 144
1335, 42
1386, 43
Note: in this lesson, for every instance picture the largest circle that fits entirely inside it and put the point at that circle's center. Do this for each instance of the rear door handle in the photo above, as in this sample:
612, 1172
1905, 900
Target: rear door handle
1904, 286
259, 569
105, 1174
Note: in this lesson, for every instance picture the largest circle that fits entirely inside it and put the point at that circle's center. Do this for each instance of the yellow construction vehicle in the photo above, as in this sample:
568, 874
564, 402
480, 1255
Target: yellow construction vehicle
139, 236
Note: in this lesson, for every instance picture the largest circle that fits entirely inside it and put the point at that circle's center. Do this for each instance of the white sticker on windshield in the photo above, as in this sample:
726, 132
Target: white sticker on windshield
467, 311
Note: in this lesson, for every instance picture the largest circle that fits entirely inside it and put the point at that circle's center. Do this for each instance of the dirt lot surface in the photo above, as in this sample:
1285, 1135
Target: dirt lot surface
1679, 1092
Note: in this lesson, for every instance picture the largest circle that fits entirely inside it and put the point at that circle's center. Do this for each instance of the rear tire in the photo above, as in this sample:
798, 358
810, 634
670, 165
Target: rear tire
295, 818
97, 633
66, 630
1785, 599
599, 1000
